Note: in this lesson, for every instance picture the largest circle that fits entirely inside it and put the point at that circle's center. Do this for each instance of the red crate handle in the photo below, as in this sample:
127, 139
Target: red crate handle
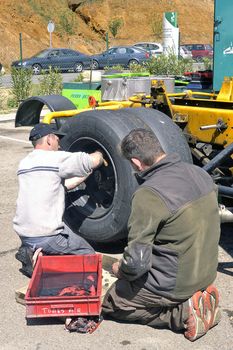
62, 306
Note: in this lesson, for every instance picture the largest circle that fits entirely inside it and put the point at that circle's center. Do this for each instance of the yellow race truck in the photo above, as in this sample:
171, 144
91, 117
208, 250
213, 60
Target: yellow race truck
197, 125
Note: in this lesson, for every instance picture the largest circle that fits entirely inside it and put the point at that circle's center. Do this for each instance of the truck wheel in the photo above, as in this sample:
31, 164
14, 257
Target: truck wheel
168, 133
99, 208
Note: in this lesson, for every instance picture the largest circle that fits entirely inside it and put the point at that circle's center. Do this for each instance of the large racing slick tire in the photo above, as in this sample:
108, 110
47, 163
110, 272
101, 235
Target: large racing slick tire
168, 133
99, 208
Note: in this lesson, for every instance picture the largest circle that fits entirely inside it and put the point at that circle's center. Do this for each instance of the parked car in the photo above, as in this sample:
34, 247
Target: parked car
153, 48
200, 50
62, 59
185, 53
120, 55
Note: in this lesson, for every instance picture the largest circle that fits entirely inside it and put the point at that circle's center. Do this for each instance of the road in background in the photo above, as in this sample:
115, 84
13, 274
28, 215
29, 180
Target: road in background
6, 81
49, 334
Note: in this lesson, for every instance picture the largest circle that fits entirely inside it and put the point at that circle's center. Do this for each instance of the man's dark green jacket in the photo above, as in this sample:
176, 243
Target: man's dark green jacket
174, 230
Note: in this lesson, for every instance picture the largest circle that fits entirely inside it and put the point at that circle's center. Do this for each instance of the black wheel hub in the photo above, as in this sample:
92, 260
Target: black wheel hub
94, 197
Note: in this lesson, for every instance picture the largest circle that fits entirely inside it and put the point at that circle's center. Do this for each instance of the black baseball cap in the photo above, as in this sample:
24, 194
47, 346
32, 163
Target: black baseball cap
42, 129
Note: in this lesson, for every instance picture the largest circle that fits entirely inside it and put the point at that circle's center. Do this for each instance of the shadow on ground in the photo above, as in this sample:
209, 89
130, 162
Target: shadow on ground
226, 242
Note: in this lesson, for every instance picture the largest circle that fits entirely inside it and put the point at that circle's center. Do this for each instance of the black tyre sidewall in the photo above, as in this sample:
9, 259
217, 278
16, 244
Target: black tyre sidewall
108, 131
168, 133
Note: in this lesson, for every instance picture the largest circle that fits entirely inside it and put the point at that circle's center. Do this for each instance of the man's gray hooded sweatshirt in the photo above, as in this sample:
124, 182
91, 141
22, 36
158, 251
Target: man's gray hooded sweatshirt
41, 198
174, 230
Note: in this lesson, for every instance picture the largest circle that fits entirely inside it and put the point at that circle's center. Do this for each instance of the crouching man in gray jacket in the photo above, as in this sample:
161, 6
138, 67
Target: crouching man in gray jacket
43, 176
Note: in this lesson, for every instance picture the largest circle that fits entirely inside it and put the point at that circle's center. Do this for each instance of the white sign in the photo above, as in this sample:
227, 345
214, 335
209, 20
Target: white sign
50, 27
170, 33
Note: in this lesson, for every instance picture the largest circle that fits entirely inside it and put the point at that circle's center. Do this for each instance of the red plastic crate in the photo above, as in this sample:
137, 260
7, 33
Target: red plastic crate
58, 272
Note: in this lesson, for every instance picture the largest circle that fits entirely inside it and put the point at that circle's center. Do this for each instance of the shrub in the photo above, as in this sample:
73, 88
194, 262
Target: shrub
116, 67
51, 82
114, 26
138, 68
12, 103
157, 26
1, 99
7, 99
168, 65
21, 83
208, 63
39, 9
163, 65
66, 23
79, 78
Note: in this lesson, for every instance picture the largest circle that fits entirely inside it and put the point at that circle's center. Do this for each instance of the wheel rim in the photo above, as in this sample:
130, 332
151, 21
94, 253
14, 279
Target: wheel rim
133, 62
95, 65
78, 67
36, 69
94, 197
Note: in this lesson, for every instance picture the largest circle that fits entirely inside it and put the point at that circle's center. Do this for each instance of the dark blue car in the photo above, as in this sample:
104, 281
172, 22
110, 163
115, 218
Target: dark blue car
62, 59
120, 55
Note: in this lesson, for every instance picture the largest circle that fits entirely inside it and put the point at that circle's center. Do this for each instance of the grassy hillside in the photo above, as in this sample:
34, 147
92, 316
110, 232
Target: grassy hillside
82, 24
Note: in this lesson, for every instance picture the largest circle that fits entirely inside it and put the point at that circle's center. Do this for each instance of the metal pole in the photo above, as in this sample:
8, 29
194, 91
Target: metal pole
213, 163
225, 191
179, 45
20, 48
107, 41
90, 81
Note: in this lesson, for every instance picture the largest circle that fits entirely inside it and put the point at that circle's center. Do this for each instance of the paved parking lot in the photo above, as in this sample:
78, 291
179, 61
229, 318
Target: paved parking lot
50, 334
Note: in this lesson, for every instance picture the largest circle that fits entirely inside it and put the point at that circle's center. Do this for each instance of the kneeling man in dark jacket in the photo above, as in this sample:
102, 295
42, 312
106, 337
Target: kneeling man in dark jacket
166, 273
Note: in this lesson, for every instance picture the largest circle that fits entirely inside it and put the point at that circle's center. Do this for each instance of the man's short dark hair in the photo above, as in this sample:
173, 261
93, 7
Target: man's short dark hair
143, 145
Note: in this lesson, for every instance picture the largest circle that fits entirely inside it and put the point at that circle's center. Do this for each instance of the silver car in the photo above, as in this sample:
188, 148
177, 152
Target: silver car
154, 48
185, 53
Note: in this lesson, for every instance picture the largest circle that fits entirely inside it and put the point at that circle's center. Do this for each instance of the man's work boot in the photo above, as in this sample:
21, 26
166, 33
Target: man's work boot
212, 312
196, 325
24, 255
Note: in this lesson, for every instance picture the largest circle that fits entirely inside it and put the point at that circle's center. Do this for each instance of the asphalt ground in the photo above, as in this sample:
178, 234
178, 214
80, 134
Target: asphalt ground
49, 334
